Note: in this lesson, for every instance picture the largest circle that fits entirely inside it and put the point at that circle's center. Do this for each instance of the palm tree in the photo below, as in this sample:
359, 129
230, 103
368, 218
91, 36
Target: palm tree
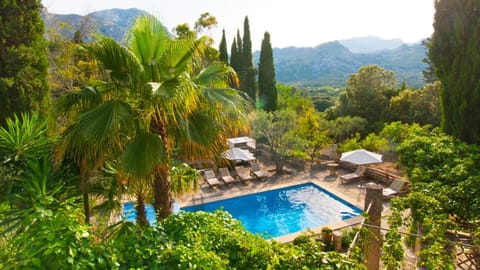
157, 100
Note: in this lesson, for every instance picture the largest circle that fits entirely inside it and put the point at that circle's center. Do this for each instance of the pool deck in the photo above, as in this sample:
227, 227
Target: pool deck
352, 193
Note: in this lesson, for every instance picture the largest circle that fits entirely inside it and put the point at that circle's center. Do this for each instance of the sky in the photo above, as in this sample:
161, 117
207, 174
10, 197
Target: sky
298, 23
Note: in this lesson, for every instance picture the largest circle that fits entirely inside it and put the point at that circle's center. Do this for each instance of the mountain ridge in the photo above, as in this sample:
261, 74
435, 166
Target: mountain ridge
330, 63
327, 64
110, 22
370, 44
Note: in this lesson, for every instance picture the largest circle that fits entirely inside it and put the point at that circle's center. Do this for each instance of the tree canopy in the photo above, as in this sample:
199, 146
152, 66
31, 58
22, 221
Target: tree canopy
23, 58
455, 54
267, 88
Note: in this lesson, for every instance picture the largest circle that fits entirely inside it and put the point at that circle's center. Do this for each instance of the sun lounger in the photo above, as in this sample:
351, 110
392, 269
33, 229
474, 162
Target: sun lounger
226, 176
243, 173
394, 188
357, 175
211, 179
259, 173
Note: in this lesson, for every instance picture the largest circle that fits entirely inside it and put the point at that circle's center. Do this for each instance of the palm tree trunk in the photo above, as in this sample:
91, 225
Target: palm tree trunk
162, 198
86, 206
84, 191
141, 213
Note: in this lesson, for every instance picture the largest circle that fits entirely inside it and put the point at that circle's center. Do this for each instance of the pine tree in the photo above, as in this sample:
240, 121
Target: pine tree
267, 90
455, 54
223, 49
247, 79
23, 58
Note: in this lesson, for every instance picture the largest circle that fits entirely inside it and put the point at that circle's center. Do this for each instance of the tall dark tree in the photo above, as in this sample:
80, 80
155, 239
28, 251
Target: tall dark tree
455, 53
234, 61
267, 89
239, 54
429, 72
223, 49
248, 82
23, 58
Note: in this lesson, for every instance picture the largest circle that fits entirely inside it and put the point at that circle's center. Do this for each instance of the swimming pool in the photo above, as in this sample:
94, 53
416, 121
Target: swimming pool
283, 211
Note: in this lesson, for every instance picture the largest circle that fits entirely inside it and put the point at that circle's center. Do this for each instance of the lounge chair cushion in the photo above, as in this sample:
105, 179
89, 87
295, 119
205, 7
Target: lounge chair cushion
350, 177
226, 176
211, 179
394, 188
243, 173
257, 171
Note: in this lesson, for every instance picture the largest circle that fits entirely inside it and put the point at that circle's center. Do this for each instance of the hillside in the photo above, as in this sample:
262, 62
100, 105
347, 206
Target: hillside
112, 22
331, 63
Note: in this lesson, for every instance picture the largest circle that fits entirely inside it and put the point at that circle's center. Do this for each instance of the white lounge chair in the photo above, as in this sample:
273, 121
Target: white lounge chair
243, 173
259, 173
226, 176
356, 175
211, 179
394, 188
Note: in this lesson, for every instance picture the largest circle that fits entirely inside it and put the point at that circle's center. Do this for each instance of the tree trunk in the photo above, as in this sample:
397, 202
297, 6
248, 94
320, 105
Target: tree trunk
84, 190
162, 198
86, 205
161, 192
141, 213
279, 166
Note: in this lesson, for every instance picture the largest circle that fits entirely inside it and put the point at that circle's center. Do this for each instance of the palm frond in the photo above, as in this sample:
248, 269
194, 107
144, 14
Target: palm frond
77, 101
199, 128
149, 41
177, 58
143, 153
104, 122
121, 64
215, 74
184, 179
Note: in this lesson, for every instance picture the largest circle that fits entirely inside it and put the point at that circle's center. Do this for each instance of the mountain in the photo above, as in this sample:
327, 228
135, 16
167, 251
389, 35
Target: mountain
330, 64
112, 22
370, 44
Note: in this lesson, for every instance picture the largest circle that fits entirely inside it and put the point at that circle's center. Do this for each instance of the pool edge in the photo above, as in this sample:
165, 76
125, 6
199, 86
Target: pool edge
334, 226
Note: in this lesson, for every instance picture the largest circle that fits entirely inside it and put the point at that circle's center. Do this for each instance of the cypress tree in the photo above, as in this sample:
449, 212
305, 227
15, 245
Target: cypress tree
23, 58
455, 54
267, 90
234, 61
239, 52
247, 44
238, 65
248, 78
223, 49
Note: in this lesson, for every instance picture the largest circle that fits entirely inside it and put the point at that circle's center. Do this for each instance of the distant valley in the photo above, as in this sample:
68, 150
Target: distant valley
328, 64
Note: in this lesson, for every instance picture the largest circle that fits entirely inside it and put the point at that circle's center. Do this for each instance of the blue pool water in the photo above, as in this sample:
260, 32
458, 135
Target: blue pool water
280, 212
130, 213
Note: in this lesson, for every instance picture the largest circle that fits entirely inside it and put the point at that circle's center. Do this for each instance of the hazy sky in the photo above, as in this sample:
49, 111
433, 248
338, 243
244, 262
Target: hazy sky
300, 23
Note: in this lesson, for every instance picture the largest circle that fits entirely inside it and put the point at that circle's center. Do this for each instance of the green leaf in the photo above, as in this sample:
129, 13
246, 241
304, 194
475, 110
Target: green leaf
144, 152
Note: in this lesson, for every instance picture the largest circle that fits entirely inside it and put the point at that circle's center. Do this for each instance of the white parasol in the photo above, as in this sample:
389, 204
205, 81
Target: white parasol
238, 154
361, 157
